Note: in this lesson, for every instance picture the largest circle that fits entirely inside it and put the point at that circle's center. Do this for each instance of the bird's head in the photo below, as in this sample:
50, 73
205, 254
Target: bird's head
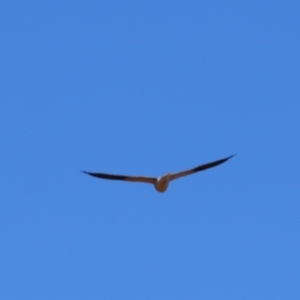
165, 178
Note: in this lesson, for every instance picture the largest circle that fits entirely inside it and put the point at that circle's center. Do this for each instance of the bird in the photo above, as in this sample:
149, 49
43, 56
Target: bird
160, 183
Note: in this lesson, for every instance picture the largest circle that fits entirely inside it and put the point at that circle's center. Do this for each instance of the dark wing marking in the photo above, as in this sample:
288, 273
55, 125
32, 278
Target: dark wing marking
122, 177
211, 164
200, 168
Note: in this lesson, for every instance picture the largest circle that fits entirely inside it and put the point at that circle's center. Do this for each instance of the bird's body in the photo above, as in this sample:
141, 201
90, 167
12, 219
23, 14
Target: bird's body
161, 183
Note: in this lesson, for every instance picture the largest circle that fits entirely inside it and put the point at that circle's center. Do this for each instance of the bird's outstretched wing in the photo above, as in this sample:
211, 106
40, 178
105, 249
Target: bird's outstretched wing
199, 168
123, 177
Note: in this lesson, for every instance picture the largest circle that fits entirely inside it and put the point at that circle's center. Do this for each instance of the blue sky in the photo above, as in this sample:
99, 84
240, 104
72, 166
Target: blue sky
146, 88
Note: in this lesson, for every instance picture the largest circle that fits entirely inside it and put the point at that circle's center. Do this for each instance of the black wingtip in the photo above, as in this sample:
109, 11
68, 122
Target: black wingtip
231, 156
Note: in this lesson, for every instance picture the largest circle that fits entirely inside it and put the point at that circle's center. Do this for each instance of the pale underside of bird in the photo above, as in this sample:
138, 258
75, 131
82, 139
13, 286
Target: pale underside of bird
160, 183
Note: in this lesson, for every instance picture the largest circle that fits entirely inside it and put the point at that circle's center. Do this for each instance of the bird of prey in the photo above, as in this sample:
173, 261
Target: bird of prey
160, 183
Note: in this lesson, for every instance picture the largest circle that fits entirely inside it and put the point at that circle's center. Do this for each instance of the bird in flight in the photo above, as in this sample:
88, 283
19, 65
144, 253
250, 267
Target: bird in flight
160, 183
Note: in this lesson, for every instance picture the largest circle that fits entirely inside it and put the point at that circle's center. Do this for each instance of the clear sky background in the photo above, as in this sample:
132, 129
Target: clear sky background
146, 88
